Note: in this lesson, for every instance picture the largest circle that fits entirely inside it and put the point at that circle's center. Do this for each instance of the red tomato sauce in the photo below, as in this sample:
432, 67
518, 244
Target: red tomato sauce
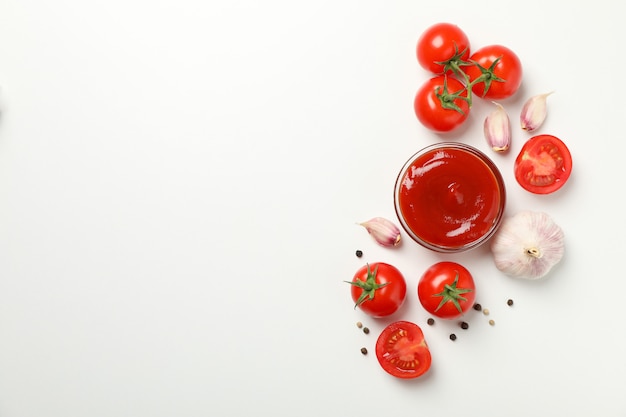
450, 198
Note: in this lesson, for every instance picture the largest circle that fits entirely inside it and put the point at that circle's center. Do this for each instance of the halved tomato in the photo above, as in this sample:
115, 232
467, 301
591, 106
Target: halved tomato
543, 165
402, 350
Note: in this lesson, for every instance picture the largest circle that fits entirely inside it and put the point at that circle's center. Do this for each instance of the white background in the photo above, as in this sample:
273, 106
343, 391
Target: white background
179, 187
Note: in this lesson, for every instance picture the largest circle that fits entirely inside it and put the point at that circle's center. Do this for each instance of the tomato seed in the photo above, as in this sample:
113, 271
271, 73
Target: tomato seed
430, 321
509, 302
359, 253
359, 324
452, 336
366, 330
464, 325
364, 351
477, 307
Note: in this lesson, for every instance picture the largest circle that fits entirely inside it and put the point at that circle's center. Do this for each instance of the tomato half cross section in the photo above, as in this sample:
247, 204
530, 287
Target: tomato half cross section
402, 351
543, 165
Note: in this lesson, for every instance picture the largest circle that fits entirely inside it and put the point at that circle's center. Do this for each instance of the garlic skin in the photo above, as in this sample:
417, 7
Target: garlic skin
384, 232
534, 112
497, 128
527, 245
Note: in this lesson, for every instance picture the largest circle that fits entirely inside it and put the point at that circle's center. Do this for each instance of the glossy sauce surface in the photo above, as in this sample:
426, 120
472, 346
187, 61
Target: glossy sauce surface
449, 198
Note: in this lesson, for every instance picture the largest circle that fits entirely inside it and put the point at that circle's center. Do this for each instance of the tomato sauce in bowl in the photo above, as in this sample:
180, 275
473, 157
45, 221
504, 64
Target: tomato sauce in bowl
450, 197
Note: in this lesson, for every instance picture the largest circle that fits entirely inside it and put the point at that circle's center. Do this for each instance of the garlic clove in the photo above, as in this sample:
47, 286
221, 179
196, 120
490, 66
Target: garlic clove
497, 128
384, 232
534, 112
528, 245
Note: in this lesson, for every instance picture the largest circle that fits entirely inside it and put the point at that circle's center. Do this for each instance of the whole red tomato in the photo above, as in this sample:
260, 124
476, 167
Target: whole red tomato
402, 351
446, 290
441, 104
378, 289
500, 68
543, 165
441, 47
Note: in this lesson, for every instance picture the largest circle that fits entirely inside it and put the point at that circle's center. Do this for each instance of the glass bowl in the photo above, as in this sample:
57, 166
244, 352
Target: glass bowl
449, 197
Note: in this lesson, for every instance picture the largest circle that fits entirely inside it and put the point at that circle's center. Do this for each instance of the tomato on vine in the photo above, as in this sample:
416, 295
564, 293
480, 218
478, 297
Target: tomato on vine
496, 72
442, 48
402, 351
378, 289
441, 104
446, 290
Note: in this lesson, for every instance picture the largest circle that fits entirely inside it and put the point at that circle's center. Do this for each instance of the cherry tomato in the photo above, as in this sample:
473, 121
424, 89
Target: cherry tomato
446, 290
402, 350
440, 104
378, 289
441, 43
543, 165
502, 69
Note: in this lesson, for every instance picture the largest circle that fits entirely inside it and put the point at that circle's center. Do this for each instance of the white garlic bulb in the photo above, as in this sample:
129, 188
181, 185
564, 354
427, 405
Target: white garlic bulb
527, 245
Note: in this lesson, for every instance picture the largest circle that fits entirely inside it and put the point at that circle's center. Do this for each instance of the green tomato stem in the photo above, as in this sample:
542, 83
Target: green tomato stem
455, 64
451, 293
369, 286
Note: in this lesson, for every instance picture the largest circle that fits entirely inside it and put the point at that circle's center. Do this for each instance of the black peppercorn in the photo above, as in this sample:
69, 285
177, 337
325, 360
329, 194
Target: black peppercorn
509, 302
464, 325
453, 337
477, 307
364, 351
366, 330
359, 253
430, 321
